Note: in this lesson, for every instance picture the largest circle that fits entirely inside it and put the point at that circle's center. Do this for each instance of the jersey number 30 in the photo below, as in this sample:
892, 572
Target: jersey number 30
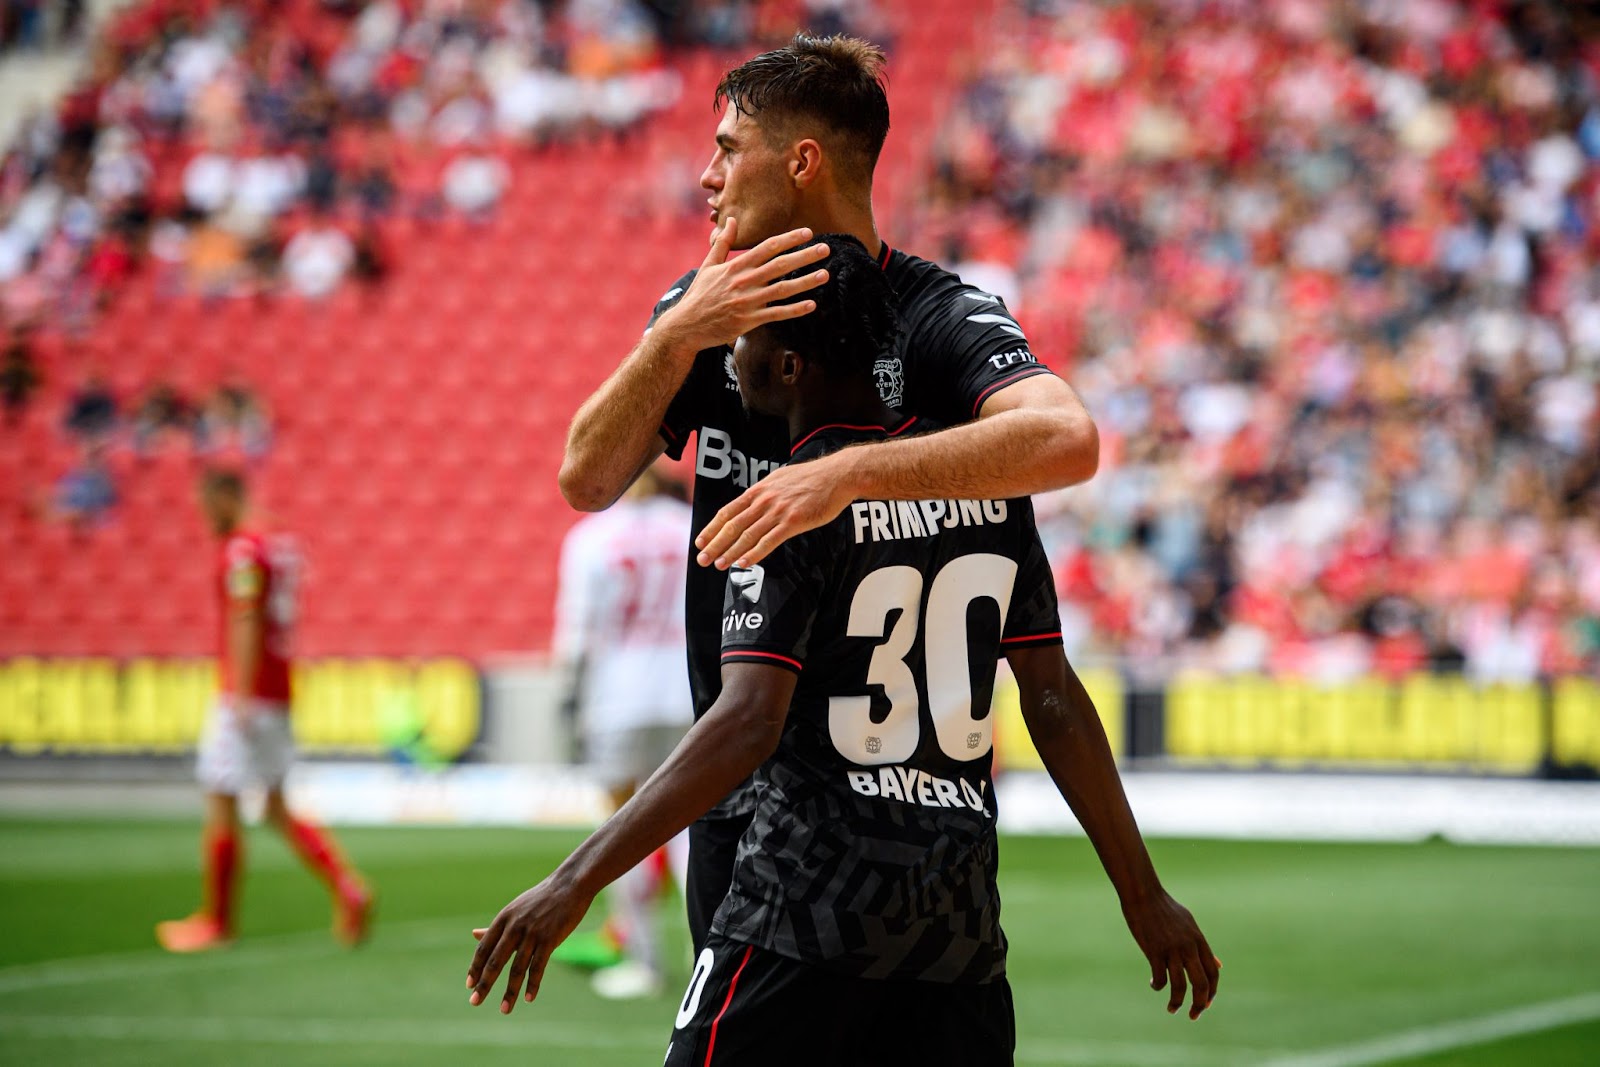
946, 660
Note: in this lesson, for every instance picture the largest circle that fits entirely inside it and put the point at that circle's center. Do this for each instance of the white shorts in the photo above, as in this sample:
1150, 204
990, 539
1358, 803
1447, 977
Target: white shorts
619, 758
243, 749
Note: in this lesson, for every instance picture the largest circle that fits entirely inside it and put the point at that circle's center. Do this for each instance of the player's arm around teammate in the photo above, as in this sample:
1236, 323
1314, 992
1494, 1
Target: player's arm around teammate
1066, 731
615, 436
1030, 437
723, 749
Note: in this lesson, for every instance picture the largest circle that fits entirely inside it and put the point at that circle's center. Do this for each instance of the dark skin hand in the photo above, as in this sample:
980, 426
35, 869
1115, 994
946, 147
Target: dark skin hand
1066, 730
723, 749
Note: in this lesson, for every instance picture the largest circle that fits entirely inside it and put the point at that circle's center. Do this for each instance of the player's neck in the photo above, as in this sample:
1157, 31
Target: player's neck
839, 215
848, 406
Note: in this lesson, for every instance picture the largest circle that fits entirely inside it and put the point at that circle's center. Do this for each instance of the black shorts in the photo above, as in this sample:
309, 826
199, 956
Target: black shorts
713, 843
746, 1005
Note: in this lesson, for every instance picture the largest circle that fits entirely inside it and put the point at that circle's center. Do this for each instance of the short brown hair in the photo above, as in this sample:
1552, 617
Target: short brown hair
228, 481
836, 81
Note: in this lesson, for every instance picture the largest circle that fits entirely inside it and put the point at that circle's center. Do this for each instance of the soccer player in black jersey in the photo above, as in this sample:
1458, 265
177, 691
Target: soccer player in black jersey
799, 135
858, 662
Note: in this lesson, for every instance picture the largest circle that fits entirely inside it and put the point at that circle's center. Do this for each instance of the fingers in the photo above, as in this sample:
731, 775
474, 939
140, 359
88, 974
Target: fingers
716, 536
785, 289
788, 263
757, 544
477, 934
536, 972
486, 944
731, 530
1199, 981
1180, 985
1158, 974
505, 948
722, 242
770, 251
779, 312
515, 977
1212, 967
738, 553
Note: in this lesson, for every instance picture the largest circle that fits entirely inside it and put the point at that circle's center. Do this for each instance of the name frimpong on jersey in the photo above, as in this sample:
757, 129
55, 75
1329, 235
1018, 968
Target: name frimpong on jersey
893, 520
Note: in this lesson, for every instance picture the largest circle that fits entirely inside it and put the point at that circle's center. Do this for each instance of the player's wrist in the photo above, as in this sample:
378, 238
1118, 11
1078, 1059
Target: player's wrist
1140, 892
851, 474
678, 336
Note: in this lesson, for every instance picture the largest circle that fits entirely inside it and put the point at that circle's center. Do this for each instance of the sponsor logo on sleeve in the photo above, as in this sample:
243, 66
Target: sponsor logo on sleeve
1002, 360
742, 620
1002, 318
749, 582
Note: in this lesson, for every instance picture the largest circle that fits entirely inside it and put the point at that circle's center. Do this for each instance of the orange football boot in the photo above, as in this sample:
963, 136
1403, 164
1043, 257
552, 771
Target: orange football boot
197, 933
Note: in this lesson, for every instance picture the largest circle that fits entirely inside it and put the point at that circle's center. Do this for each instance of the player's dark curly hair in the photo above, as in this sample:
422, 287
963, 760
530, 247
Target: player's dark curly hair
833, 85
855, 322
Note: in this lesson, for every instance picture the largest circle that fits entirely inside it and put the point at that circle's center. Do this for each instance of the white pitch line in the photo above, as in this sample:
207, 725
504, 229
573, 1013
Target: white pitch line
152, 963
495, 1032
1463, 1033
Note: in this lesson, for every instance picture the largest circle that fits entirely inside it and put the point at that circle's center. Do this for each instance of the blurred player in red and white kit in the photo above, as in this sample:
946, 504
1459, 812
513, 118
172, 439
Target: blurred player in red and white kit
619, 634
247, 743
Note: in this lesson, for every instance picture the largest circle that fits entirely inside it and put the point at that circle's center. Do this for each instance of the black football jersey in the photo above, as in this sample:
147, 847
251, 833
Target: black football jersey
958, 345
873, 846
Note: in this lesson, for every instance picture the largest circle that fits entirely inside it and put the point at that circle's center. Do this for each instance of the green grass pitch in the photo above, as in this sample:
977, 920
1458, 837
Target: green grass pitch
1335, 955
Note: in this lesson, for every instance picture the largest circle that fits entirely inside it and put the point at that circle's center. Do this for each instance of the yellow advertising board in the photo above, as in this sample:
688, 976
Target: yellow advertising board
107, 707
1425, 722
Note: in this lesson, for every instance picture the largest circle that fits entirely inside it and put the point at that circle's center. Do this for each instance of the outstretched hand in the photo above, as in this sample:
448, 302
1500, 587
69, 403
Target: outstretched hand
524, 934
789, 501
729, 298
1171, 940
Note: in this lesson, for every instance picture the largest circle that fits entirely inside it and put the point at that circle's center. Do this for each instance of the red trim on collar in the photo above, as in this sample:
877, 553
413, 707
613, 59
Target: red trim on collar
883, 257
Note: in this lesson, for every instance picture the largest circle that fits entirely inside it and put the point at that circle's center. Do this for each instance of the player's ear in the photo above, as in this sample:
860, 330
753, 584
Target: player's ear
790, 366
805, 164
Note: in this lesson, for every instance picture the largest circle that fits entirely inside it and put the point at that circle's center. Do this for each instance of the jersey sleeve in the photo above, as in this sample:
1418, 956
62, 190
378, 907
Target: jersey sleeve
684, 412
1034, 618
769, 609
969, 347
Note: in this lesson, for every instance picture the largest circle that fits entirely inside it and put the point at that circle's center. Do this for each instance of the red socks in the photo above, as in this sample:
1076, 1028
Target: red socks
221, 861
319, 852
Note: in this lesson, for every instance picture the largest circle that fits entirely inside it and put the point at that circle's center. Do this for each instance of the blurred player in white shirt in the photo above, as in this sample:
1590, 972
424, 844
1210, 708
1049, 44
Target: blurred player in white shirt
619, 636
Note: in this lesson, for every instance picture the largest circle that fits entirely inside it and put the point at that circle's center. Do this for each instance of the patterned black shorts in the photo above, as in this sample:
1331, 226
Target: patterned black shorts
745, 1005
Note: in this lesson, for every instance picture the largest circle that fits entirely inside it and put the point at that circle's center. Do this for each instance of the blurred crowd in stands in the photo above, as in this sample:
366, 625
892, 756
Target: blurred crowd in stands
1325, 272
263, 147
258, 145
34, 25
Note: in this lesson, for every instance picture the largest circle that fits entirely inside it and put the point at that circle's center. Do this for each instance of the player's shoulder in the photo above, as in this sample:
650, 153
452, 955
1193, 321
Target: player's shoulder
928, 290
